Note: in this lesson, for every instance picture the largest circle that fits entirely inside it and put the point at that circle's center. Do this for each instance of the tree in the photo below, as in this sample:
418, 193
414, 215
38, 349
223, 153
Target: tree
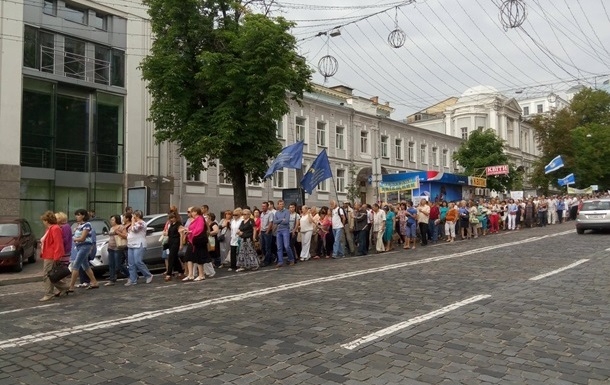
579, 133
482, 149
220, 77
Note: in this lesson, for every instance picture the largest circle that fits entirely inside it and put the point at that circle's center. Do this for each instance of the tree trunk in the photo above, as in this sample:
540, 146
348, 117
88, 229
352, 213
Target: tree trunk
240, 196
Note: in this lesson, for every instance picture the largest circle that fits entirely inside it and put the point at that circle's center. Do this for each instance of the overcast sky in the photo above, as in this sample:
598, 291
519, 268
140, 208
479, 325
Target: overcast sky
452, 45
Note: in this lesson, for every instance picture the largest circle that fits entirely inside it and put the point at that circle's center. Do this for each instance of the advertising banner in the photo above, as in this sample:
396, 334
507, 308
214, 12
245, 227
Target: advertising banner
402, 185
588, 190
497, 170
477, 182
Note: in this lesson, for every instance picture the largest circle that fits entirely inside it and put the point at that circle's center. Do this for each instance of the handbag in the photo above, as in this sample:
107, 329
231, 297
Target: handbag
221, 236
58, 272
474, 220
211, 243
300, 237
121, 242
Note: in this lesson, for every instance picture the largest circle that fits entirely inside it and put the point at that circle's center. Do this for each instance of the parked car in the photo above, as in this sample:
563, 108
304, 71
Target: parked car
154, 230
17, 243
594, 215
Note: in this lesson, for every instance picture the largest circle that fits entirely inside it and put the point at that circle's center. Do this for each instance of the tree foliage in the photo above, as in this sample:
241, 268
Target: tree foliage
483, 149
580, 134
220, 77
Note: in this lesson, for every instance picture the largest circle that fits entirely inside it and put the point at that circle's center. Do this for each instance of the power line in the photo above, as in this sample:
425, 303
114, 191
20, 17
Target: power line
592, 29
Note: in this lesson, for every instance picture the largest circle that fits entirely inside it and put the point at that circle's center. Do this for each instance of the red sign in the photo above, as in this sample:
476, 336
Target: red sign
497, 170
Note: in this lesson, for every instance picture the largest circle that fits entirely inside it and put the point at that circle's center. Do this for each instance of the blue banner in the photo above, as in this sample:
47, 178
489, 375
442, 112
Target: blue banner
317, 173
290, 157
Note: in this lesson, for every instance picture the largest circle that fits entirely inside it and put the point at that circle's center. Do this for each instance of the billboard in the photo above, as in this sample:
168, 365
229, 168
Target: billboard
497, 170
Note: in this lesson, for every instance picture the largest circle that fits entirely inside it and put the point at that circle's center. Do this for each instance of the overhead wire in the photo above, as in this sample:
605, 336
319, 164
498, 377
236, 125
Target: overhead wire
497, 79
416, 57
592, 29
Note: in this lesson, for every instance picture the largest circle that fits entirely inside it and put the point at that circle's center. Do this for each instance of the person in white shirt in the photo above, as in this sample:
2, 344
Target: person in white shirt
378, 228
338, 221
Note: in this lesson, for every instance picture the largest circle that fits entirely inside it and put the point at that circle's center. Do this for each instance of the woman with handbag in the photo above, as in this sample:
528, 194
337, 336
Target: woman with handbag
117, 246
213, 247
173, 245
136, 246
197, 250
51, 252
223, 239
83, 243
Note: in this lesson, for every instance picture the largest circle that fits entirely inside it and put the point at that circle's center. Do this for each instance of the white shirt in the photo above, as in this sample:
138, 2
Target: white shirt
235, 223
336, 218
379, 220
306, 224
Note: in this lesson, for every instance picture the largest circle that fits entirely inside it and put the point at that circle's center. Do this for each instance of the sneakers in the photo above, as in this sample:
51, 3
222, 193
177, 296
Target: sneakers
149, 279
129, 283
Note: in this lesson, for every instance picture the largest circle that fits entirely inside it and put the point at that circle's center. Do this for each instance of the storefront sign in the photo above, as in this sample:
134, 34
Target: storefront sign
496, 170
477, 182
402, 185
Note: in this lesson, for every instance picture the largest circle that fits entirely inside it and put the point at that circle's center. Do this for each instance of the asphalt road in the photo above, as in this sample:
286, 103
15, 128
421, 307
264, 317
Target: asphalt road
525, 307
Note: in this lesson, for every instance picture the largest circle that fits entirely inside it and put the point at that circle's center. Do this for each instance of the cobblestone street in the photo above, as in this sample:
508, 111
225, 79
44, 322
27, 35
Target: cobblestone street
470, 312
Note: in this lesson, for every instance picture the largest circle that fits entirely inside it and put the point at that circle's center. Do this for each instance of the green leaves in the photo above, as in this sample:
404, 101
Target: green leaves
581, 135
220, 77
482, 149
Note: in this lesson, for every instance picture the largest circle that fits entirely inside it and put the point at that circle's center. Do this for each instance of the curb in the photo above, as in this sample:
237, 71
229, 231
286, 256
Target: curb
16, 281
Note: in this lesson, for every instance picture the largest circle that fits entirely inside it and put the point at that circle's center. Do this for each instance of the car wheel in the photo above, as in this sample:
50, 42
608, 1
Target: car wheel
19, 265
580, 231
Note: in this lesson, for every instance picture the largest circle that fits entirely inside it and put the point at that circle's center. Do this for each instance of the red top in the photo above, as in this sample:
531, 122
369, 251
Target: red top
53, 244
435, 213
196, 227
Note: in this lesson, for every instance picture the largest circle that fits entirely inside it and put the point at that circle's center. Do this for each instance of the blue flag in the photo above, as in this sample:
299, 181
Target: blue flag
290, 157
555, 165
317, 173
567, 180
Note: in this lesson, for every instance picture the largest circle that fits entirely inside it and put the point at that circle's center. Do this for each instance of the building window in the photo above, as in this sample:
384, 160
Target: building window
423, 154
110, 133
539, 108
280, 129
340, 180
102, 65
117, 66
364, 142
299, 124
323, 186
38, 49
464, 133
49, 7
74, 58
251, 182
445, 158
321, 134
75, 14
339, 138
398, 149
222, 175
384, 147
411, 152
278, 179
435, 156
191, 175
100, 21
526, 111
37, 124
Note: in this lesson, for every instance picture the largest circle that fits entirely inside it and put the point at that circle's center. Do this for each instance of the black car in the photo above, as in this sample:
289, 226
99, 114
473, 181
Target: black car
17, 243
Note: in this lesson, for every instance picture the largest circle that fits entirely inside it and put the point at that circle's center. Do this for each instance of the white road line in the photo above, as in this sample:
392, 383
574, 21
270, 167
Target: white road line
18, 292
27, 308
413, 321
51, 335
608, 249
541, 276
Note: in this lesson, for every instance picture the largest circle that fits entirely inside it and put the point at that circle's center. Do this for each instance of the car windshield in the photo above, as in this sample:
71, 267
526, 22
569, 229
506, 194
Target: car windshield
9, 230
596, 205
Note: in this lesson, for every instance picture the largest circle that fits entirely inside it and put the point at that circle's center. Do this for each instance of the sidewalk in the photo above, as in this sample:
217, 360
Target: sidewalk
32, 272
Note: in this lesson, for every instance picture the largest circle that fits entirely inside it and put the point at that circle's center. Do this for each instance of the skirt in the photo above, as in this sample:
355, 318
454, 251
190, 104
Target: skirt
247, 257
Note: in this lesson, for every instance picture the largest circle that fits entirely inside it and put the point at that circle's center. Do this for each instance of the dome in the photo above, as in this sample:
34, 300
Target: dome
480, 90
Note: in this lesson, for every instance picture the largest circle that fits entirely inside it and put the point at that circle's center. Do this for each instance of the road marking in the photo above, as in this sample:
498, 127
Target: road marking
18, 292
608, 249
51, 335
413, 321
541, 276
27, 308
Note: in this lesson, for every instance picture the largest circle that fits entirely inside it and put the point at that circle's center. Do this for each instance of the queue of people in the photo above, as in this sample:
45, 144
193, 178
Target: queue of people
245, 240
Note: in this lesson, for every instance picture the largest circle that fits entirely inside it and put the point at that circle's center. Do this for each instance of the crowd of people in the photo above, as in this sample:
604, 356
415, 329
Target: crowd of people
246, 239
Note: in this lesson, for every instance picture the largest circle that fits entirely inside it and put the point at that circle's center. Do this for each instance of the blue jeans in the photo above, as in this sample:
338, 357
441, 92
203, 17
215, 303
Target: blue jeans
432, 234
283, 242
115, 263
267, 246
135, 257
337, 245
82, 257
